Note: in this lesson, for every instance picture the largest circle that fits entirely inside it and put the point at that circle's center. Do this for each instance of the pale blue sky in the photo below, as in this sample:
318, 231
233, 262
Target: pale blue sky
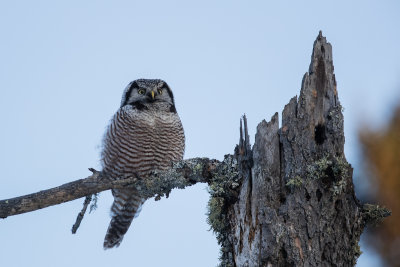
64, 65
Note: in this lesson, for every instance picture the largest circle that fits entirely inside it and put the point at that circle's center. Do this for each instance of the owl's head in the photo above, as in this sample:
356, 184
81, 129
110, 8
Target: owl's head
143, 93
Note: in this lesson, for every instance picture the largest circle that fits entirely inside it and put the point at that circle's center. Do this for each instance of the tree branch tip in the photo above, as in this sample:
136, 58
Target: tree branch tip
94, 171
374, 214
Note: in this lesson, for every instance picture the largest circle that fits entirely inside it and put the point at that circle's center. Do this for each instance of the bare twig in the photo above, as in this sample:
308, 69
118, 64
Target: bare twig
79, 218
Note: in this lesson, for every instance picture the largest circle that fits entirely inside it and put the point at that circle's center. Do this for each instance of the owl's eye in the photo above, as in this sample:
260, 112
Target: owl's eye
141, 91
160, 91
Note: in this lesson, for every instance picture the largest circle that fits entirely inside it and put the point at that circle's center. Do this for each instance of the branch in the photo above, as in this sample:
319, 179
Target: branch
182, 174
79, 218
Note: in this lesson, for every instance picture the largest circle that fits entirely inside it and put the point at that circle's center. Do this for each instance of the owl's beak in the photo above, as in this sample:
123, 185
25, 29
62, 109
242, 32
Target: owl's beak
152, 95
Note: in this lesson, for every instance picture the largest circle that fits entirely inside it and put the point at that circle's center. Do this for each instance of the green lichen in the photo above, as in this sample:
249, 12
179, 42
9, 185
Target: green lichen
374, 214
357, 251
295, 182
215, 214
223, 190
337, 112
317, 170
354, 253
331, 169
338, 188
197, 168
340, 171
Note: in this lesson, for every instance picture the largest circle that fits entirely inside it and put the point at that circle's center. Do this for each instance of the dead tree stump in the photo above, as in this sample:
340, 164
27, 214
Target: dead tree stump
296, 204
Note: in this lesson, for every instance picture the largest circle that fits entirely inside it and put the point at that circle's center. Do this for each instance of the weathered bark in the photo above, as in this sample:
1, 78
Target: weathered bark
182, 174
296, 204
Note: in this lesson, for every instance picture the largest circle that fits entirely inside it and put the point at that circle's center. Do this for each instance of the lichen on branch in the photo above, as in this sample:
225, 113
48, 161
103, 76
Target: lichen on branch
182, 174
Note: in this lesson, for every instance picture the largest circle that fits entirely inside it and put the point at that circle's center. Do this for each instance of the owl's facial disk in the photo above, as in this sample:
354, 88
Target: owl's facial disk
146, 92
150, 95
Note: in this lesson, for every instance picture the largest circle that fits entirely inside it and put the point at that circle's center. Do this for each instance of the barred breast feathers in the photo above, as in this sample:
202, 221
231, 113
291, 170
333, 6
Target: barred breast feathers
141, 141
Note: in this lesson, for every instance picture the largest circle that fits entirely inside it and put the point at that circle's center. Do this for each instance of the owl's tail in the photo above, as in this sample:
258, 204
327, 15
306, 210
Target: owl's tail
127, 205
